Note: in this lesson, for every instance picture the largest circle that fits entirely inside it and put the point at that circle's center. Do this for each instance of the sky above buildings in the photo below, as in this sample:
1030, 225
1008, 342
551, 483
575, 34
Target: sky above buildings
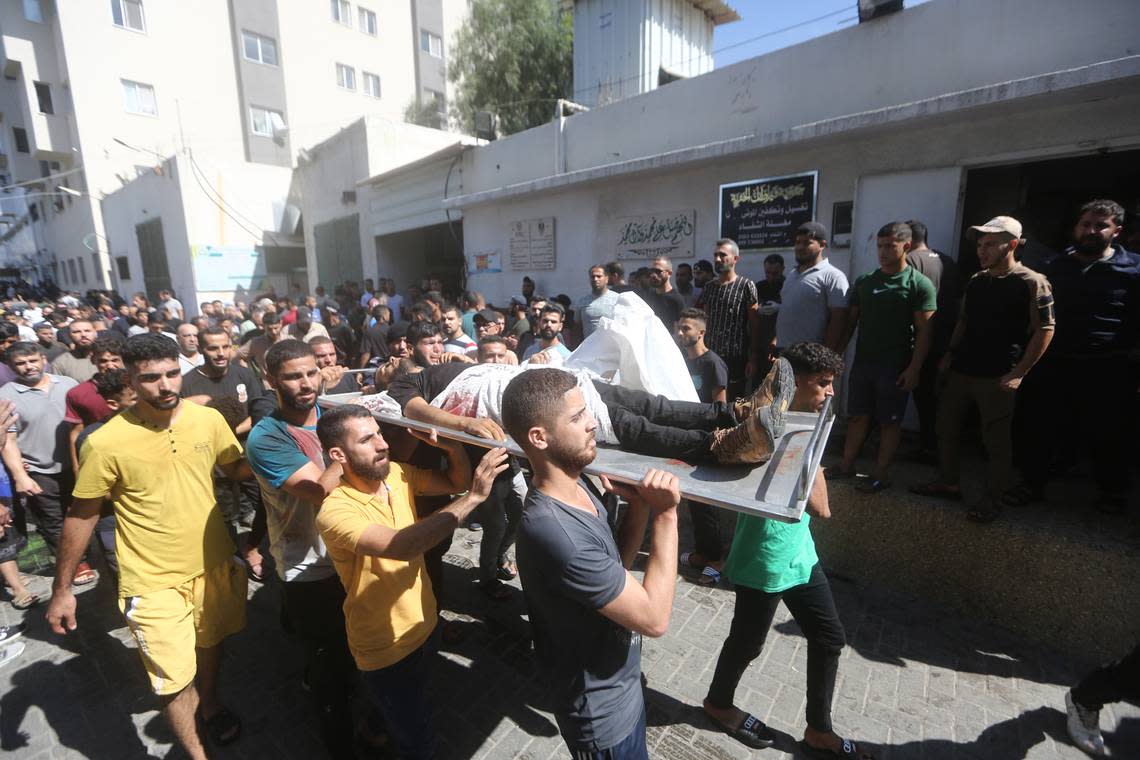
767, 25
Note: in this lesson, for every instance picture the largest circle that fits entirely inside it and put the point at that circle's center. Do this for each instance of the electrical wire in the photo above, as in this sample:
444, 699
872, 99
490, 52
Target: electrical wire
40, 180
230, 206
252, 233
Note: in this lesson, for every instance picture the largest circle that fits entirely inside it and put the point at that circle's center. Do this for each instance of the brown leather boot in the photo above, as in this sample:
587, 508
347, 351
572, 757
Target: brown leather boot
779, 378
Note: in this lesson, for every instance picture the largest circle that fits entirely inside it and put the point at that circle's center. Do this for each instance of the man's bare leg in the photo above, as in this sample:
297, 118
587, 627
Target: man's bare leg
856, 434
889, 438
11, 574
180, 710
209, 665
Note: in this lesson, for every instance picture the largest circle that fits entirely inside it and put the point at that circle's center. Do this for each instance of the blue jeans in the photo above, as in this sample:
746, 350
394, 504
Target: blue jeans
400, 693
631, 747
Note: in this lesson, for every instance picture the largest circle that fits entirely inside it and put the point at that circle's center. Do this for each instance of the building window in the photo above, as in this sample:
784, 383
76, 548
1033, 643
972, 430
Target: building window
83, 270
139, 98
367, 21
20, 137
342, 12
265, 122
124, 266
371, 85
71, 270
257, 48
128, 14
33, 11
43, 97
431, 44
346, 76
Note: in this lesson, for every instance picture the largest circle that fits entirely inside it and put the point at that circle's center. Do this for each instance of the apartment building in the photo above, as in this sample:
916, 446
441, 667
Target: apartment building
154, 141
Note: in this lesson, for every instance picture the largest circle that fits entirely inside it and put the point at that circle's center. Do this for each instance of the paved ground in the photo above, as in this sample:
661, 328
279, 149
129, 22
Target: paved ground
913, 681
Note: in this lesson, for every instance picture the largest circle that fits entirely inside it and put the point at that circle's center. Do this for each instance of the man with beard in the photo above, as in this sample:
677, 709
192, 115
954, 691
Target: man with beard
666, 302
451, 324
376, 543
252, 353
304, 328
587, 611
334, 377
85, 405
37, 456
813, 299
179, 588
1096, 287
549, 331
730, 301
600, 303
46, 336
1004, 328
77, 363
534, 313
287, 458
189, 355
220, 378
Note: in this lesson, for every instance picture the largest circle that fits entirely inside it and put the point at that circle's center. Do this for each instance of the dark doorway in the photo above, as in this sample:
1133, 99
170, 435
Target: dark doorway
414, 256
1045, 196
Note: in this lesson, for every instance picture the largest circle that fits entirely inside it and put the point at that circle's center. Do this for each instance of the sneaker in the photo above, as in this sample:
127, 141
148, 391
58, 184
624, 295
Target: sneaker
9, 633
1084, 726
771, 390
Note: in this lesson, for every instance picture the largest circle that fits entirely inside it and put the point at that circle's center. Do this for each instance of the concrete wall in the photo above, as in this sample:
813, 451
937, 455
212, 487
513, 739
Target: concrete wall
940, 47
260, 84
584, 213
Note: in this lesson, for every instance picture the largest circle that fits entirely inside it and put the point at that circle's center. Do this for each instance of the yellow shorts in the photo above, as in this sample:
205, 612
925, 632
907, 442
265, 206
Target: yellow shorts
168, 624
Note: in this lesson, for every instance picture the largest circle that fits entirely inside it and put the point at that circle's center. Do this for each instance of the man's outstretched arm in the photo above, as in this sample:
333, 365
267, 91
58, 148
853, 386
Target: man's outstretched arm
77, 529
422, 411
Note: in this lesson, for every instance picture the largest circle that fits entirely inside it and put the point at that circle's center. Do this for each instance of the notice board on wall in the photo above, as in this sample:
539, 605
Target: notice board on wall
531, 244
763, 214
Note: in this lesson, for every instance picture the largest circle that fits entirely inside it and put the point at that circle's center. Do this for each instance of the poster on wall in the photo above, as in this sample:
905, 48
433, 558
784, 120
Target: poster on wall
647, 236
532, 244
227, 268
763, 214
485, 262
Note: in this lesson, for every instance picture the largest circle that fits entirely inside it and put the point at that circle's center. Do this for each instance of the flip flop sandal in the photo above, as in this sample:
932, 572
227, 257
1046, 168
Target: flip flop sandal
84, 575
686, 560
507, 572
11, 652
751, 732
937, 491
849, 750
223, 728
873, 486
26, 601
710, 576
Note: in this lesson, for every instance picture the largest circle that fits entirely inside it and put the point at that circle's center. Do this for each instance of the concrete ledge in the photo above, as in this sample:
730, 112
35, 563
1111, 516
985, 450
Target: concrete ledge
1059, 574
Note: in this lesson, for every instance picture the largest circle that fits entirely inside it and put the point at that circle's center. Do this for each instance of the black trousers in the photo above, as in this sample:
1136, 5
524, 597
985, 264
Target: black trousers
926, 401
499, 515
813, 608
1116, 682
1056, 422
47, 509
658, 426
706, 530
315, 613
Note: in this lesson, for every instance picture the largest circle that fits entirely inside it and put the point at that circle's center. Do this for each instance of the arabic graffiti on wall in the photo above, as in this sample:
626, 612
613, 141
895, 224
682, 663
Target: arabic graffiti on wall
763, 214
648, 236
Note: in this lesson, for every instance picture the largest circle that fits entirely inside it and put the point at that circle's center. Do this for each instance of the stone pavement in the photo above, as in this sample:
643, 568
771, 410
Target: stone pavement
913, 681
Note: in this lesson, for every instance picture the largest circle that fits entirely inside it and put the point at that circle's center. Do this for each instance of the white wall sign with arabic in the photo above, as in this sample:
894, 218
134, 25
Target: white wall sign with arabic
647, 236
531, 244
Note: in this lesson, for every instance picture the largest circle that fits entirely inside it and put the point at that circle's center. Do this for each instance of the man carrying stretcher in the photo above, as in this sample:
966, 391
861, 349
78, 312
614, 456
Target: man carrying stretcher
468, 398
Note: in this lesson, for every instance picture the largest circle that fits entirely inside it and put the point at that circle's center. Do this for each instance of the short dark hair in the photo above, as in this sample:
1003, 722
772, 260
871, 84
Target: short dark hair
216, 330
553, 307
730, 243
110, 383
807, 358
536, 298
285, 351
774, 258
331, 426
417, 331
422, 309
613, 268
684, 265
149, 347
270, 318
434, 296
534, 398
487, 340
918, 231
1104, 206
108, 344
450, 307
379, 310
896, 230
697, 315
22, 348
9, 330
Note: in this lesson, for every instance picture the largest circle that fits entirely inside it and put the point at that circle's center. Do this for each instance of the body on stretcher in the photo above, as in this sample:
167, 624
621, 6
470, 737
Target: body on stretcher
777, 489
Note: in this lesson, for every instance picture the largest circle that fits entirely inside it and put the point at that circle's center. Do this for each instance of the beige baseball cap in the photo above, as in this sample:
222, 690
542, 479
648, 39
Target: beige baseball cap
1005, 224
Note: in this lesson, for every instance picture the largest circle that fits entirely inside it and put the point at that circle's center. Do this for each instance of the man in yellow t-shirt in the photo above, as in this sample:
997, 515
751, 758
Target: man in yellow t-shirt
369, 527
179, 586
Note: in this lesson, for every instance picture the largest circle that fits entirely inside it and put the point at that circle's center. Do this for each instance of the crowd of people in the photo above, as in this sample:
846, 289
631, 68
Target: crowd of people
174, 447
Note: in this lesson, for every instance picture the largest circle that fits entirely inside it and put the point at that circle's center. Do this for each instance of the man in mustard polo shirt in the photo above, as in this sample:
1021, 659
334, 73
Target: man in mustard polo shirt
179, 586
370, 530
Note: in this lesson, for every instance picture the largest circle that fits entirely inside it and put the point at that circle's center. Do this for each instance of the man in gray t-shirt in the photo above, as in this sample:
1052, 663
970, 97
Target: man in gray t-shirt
600, 303
813, 306
587, 612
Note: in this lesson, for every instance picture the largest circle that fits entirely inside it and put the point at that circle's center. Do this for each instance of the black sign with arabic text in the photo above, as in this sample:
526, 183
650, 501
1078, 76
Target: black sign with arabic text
763, 214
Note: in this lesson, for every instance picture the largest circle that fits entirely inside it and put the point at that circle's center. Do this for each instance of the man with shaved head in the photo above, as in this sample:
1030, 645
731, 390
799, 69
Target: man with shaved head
666, 302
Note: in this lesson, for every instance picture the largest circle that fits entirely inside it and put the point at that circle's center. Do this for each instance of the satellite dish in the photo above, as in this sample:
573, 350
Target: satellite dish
89, 242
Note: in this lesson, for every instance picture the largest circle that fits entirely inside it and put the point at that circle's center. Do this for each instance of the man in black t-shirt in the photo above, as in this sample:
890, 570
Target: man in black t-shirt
666, 302
374, 344
342, 336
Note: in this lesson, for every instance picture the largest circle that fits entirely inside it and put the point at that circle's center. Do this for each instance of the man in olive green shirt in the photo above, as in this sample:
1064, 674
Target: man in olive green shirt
772, 561
892, 307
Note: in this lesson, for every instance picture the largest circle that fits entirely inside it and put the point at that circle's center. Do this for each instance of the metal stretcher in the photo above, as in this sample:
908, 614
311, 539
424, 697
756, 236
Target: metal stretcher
777, 489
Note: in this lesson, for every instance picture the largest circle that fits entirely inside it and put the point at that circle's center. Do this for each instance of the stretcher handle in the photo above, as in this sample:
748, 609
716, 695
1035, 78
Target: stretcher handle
811, 456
